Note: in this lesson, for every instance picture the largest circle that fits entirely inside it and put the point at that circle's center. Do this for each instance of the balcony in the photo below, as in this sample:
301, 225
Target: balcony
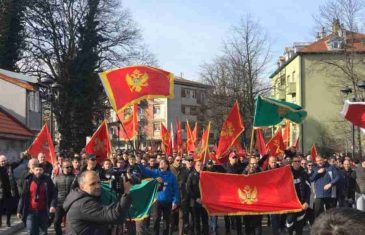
292, 88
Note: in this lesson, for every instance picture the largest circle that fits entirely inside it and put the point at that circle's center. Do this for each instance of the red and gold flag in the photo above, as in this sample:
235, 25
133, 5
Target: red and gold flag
99, 143
130, 124
314, 152
231, 130
260, 142
179, 141
190, 141
276, 144
286, 134
261, 193
239, 149
202, 150
195, 133
43, 144
165, 138
128, 85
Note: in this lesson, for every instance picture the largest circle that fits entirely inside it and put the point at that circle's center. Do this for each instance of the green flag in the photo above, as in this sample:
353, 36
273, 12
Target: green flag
270, 112
143, 196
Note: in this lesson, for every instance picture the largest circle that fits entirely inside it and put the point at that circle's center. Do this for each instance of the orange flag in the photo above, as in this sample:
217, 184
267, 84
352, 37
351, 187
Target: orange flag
43, 144
195, 133
128, 85
286, 134
260, 142
190, 141
276, 144
202, 150
165, 138
99, 143
231, 130
314, 152
178, 136
130, 124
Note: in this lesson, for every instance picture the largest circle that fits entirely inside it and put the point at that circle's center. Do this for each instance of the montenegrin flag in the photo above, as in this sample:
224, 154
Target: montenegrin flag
231, 130
165, 139
354, 112
270, 112
190, 138
129, 130
43, 144
269, 192
99, 143
128, 85
143, 196
201, 150
276, 144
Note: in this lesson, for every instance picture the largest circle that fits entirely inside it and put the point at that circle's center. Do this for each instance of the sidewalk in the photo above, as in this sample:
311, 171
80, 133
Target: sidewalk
16, 225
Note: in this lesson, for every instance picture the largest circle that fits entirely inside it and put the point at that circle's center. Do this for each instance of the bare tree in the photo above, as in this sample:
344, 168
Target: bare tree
239, 74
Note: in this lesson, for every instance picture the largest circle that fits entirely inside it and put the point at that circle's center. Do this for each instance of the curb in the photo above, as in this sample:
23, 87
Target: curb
13, 229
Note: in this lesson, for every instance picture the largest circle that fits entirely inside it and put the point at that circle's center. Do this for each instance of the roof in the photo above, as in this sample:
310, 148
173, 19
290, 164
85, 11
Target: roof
182, 81
356, 39
9, 77
320, 46
11, 128
19, 76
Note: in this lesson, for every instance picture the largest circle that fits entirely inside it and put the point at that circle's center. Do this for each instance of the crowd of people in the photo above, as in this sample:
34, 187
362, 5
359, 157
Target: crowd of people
47, 193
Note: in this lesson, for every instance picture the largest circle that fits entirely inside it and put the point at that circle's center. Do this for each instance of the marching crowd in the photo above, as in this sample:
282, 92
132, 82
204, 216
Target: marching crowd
44, 191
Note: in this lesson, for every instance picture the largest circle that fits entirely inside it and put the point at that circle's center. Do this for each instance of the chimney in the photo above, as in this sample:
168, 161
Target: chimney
336, 26
322, 34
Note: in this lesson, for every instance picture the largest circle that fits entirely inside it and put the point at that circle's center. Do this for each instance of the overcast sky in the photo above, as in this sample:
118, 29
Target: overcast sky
184, 34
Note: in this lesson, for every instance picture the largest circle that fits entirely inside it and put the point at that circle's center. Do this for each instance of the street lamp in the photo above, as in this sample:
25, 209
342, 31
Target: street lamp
48, 88
347, 90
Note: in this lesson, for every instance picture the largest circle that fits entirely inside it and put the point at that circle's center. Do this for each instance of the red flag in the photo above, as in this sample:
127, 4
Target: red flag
249, 194
190, 141
276, 144
165, 138
128, 85
260, 142
239, 149
231, 130
296, 144
286, 134
43, 144
354, 112
202, 148
314, 152
99, 143
195, 133
130, 130
178, 136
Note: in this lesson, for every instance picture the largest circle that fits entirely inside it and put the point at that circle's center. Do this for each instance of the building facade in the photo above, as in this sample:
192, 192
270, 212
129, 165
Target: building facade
312, 76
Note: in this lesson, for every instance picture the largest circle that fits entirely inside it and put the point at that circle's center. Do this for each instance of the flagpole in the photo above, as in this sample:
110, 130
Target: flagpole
252, 135
129, 140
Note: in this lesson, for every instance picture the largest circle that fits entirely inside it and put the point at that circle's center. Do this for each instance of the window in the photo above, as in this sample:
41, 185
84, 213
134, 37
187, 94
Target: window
156, 126
156, 110
188, 93
33, 99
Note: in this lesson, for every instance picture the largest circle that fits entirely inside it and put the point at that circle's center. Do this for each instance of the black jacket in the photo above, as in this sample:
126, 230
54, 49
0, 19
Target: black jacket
86, 215
302, 185
349, 186
51, 195
63, 185
192, 185
8, 187
233, 169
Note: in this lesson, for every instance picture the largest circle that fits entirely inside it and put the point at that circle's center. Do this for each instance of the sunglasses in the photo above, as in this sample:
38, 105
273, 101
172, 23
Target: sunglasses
295, 161
190, 160
67, 167
92, 159
309, 165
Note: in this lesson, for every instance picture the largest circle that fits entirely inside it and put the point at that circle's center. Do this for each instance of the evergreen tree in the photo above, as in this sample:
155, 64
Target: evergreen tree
11, 32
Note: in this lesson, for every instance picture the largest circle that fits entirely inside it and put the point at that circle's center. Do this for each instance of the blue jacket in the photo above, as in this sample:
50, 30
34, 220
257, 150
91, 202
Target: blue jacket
170, 191
330, 175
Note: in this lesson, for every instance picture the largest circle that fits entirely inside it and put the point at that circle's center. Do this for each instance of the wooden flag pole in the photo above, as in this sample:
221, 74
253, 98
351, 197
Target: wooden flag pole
252, 135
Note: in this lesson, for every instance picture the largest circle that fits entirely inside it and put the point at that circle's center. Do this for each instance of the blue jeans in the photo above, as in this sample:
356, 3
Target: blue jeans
37, 223
275, 224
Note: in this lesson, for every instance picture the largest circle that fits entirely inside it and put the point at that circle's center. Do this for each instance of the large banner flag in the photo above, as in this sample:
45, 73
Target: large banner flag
130, 124
260, 142
202, 150
231, 130
276, 145
99, 143
128, 85
165, 139
270, 112
190, 139
286, 134
260, 193
143, 196
354, 112
43, 144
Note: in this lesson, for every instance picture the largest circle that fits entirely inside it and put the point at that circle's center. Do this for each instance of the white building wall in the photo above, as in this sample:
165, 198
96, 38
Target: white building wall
13, 100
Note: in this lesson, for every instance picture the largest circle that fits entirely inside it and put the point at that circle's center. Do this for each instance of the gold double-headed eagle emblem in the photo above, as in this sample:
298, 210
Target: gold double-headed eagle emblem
227, 130
137, 80
247, 195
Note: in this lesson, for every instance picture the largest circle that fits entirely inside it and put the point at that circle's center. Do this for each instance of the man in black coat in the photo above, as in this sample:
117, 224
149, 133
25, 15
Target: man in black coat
86, 215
